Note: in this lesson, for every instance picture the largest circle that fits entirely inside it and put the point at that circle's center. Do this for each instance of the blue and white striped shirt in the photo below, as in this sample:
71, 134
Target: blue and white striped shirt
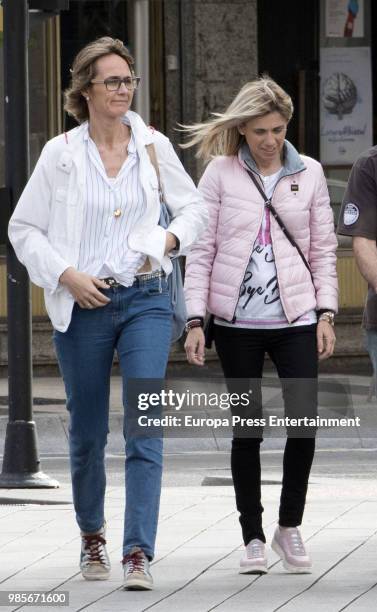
104, 249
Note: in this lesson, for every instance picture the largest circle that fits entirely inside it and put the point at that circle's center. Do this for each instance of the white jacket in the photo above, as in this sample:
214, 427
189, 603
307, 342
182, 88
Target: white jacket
46, 226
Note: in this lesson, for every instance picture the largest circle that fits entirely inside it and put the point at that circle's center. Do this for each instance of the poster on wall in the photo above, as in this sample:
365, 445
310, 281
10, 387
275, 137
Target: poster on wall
345, 104
345, 18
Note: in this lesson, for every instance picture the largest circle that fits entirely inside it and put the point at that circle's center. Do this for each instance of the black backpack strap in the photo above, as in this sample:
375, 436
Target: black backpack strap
278, 219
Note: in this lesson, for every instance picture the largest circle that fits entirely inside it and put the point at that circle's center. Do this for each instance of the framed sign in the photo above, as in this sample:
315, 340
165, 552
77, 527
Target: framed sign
345, 104
345, 19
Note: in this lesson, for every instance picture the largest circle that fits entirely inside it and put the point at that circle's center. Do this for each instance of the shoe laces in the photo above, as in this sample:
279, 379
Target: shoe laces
296, 542
135, 561
255, 548
94, 547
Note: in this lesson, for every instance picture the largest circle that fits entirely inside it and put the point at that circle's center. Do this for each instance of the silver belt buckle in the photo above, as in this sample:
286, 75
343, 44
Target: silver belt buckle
111, 282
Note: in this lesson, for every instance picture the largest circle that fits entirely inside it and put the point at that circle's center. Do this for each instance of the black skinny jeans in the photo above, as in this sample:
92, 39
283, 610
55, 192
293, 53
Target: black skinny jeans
294, 353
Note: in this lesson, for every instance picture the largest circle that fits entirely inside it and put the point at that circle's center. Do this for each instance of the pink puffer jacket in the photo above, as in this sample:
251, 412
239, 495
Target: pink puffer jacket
216, 265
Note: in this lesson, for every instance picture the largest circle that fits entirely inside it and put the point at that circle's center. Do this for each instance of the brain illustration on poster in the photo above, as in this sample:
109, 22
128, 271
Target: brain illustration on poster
339, 94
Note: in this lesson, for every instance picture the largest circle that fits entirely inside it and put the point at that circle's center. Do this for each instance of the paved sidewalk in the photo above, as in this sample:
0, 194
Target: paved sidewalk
198, 550
199, 541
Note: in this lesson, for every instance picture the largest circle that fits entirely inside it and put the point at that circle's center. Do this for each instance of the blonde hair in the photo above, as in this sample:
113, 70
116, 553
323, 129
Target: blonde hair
220, 136
83, 71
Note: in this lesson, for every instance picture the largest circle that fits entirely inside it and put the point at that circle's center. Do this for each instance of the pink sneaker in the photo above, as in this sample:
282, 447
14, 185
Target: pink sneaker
254, 560
288, 544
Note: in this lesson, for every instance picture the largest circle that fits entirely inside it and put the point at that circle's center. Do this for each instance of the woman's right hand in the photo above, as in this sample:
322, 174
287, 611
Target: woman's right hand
83, 288
194, 346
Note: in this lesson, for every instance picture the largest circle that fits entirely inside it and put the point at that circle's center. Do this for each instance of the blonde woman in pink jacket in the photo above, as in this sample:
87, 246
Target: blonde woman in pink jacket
265, 268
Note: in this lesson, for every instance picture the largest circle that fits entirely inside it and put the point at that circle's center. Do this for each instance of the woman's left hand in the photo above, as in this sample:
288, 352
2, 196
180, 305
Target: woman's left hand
325, 340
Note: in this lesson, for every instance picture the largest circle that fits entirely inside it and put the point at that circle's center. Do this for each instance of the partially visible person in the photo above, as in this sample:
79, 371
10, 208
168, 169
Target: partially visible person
267, 294
358, 218
87, 229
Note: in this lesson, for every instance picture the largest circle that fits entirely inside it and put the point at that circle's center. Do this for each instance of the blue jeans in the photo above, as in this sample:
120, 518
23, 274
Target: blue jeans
137, 323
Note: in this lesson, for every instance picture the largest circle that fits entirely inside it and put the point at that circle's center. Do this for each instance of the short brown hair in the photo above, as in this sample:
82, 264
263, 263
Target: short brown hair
83, 71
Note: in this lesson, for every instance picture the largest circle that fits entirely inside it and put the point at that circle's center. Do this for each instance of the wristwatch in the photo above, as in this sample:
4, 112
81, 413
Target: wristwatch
328, 316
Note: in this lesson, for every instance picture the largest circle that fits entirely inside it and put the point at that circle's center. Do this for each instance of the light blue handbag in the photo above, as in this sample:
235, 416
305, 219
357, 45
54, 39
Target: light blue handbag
175, 282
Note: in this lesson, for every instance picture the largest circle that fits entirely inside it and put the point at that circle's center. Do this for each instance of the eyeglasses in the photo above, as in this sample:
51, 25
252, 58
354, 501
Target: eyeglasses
114, 83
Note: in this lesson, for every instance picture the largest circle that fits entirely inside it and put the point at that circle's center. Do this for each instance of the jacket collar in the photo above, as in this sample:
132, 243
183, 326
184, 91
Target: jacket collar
142, 134
292, 161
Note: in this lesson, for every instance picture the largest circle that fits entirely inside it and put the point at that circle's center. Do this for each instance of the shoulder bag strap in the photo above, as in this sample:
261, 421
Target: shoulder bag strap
153, 157
279, 220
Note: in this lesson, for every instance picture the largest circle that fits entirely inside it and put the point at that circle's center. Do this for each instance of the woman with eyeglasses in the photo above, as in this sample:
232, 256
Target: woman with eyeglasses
87, 229
266, 269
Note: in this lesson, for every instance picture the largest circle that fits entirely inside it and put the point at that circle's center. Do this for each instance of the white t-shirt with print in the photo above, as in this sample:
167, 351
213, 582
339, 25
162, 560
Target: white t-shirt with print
259, 305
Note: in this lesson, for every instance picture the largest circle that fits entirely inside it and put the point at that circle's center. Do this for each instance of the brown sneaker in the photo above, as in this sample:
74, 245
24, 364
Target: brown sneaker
137, 576
94, 560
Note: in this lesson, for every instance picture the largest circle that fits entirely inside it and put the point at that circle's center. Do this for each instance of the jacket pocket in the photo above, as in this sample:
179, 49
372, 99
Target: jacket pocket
61, 195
